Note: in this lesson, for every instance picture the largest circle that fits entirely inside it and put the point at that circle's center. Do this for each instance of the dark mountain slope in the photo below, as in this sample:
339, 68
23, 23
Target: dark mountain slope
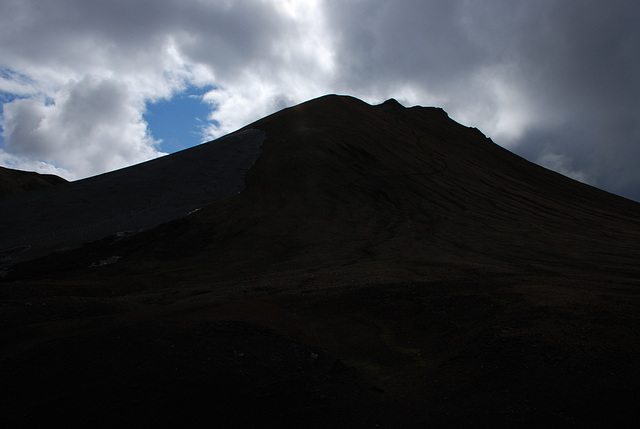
126, 200
379, 258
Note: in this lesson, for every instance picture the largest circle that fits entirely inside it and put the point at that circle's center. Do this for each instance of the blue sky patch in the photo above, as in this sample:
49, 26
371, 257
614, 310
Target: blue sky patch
179, 121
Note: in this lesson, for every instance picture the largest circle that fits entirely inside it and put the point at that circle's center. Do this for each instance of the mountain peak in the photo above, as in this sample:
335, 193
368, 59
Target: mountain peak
392, 103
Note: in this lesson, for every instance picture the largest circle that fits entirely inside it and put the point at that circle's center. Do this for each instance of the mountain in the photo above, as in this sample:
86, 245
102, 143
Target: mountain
16, 181
382, 266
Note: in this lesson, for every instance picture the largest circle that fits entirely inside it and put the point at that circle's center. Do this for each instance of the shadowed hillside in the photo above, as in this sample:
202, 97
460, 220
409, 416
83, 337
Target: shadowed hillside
383, 266
342, 182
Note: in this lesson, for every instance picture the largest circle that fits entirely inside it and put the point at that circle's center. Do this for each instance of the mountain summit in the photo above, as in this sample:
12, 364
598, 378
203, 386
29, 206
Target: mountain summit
382, 265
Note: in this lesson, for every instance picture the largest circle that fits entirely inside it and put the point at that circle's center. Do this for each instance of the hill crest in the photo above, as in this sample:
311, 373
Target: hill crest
15, 181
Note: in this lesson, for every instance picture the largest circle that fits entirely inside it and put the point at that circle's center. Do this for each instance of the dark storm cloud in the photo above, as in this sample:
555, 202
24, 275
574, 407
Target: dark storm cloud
388, 41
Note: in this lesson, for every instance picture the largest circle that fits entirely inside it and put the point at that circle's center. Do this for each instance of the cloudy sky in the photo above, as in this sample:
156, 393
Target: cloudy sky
90, 86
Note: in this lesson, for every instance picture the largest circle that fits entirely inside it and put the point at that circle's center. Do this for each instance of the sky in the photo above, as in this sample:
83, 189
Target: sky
91, 86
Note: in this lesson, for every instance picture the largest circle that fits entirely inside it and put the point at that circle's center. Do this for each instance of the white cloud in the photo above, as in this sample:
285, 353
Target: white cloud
92, 125
28, 164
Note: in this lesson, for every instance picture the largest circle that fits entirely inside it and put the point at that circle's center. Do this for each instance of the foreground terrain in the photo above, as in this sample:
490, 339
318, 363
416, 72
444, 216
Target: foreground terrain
383, 267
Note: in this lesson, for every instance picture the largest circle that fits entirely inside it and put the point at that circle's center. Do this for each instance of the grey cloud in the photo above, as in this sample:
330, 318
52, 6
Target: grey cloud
64, 32
570, 51
233, 37
24, 117
602, 150
415, 41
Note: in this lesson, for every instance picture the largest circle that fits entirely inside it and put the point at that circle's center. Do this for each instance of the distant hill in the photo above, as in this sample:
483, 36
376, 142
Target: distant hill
126, 200
377, 266
16, 181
